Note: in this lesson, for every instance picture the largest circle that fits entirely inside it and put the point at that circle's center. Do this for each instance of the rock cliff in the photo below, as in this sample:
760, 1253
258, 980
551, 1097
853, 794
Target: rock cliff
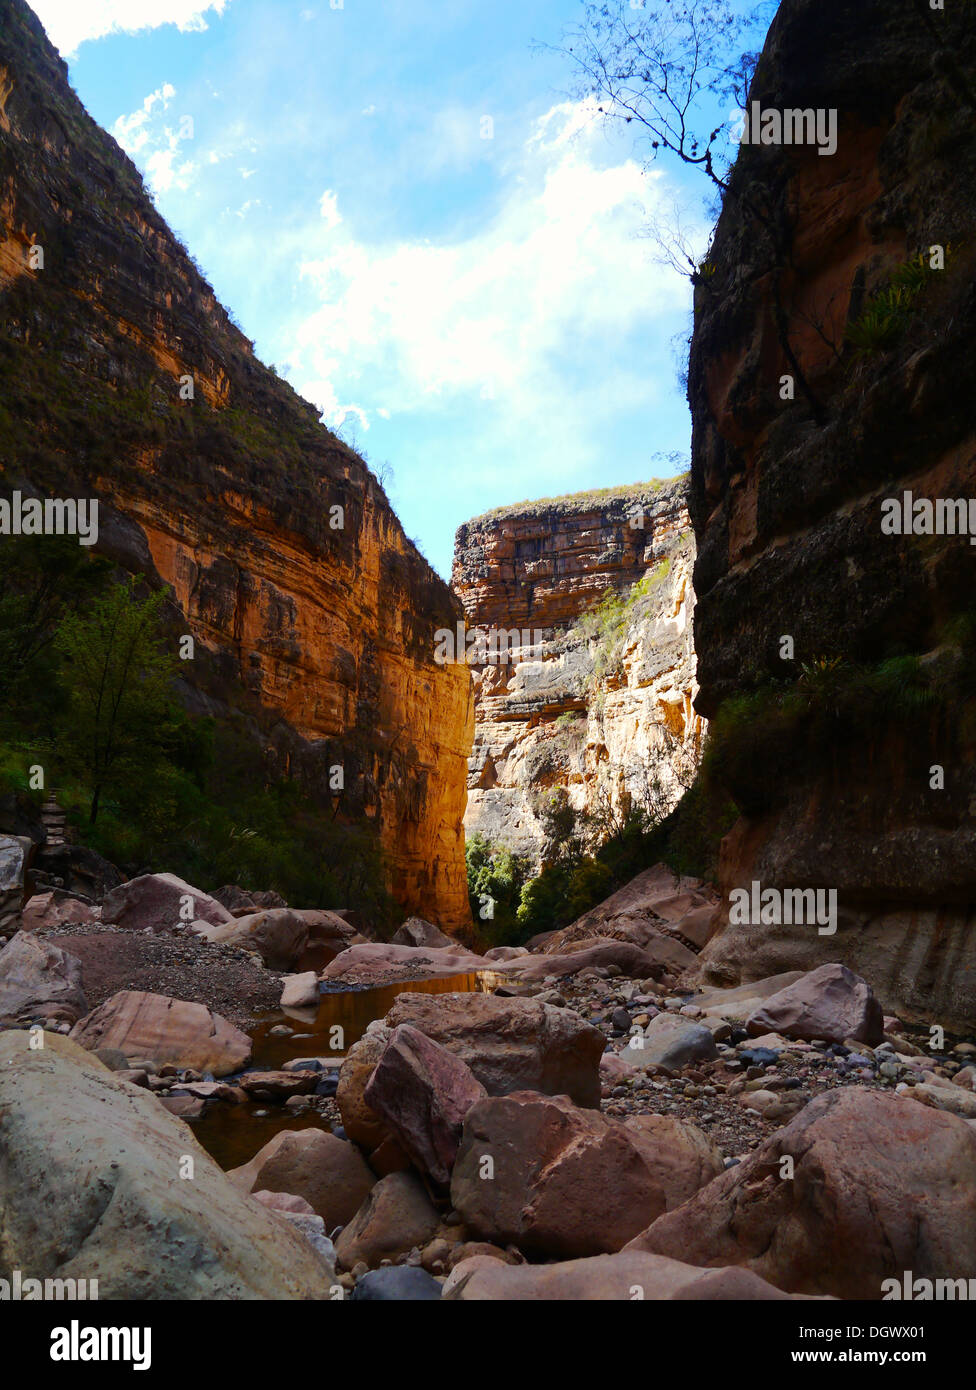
845, 281
594, 692
308, 605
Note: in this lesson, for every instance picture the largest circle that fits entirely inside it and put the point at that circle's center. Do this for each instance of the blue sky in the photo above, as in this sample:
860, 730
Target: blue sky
408, 212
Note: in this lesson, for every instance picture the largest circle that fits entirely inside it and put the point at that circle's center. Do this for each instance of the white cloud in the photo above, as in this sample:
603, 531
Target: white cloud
157, 146
132, 131
499, 314
70, 23
328, 205
245, 208
564, 123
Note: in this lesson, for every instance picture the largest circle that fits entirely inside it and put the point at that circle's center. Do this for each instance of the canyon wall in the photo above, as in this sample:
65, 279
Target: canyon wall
851, 756
599, 705
309, 606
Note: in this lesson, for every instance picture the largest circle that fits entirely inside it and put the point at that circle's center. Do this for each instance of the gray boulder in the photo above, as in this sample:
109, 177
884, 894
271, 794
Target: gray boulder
39, 981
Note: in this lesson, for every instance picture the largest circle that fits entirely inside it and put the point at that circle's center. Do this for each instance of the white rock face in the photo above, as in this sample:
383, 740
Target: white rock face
604, 712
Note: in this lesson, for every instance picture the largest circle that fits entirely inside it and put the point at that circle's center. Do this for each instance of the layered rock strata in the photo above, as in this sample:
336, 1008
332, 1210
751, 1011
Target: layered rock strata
579, 614
311, 611
831, 369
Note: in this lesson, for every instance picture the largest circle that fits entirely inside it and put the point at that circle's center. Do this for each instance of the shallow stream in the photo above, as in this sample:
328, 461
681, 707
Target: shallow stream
232, 1134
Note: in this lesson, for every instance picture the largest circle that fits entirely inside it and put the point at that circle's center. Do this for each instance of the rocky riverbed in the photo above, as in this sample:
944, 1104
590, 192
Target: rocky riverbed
566, 1121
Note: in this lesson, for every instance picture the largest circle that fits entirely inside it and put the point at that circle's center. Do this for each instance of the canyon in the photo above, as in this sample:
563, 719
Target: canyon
125, 380
599, 701
763, 1089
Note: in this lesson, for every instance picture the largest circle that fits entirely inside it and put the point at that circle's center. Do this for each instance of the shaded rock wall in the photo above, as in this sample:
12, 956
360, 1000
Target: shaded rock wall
321, 622
787, 497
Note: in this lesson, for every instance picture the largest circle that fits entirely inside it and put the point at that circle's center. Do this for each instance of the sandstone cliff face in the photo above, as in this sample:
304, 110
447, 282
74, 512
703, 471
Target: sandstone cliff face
602, 708
321, 620
787, 498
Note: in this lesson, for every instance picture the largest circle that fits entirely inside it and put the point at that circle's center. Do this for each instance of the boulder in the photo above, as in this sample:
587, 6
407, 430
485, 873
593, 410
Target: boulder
623, 1277
389, 1157
774, 1106
92, 1186
39, 981
509, 1045
76, 869
160, 902
671, 1041
416, 932
422, 1092
15, 855
279, 1085
654, 892
329, 935
330, 1174
629, 959
880, 1185
737, 1003
665, 950
539, 941
360, 1122
277, 934
613, 1068
396, 1284
55, 909
954, 1099
300, 991
679, 1156
698, 925
375, 963
281, 1201
240, 902
830, 1002
396, 1216
156, 1027
506, 953
566, 1182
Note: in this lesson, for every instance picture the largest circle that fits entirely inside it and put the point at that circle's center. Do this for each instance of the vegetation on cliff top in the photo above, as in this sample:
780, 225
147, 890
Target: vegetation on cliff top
580, 501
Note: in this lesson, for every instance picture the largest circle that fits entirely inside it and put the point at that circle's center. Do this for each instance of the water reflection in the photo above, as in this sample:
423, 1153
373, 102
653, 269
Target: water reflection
232, 1134
343, 1017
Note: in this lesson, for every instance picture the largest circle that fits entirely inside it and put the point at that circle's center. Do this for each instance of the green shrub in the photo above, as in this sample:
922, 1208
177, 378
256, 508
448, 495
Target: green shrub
495, 879
889, 310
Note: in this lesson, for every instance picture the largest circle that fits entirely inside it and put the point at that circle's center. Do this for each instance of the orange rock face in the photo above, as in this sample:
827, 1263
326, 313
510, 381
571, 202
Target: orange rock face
309, 607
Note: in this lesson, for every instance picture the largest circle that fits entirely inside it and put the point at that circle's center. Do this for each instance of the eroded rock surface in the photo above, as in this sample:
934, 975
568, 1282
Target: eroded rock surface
165, 1031
123, 1215
607, 716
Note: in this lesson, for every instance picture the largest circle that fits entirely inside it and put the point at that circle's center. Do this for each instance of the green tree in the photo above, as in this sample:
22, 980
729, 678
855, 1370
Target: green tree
495, 879
40, 576
119, 688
